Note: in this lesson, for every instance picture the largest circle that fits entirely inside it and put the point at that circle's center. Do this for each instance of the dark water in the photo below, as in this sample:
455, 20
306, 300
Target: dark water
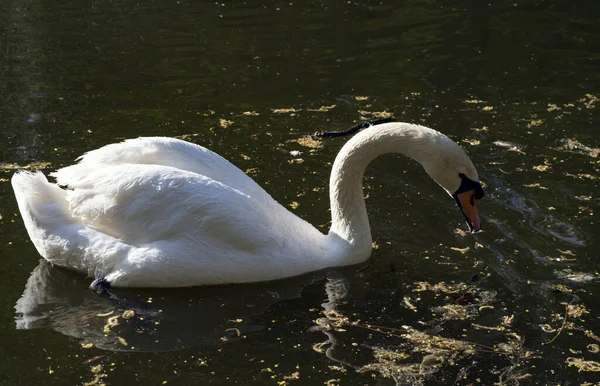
515, 83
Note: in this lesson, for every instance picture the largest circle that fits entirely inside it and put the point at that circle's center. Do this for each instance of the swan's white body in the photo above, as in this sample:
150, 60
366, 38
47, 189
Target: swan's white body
161, 212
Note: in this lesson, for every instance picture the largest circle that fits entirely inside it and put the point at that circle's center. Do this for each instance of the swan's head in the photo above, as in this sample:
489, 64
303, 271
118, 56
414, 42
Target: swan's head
453, 170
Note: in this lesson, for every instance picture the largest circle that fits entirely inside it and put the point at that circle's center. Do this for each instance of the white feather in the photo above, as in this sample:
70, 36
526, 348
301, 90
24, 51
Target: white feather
161, 212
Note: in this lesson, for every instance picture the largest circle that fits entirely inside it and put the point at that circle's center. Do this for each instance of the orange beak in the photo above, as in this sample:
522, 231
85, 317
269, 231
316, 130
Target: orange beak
468, 205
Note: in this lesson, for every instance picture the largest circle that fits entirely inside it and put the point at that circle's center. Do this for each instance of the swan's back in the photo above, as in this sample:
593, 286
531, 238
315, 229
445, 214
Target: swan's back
160, 151
156, 188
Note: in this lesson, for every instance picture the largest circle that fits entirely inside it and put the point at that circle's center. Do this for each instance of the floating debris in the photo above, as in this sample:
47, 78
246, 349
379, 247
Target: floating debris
460, 232
322, 108
186, 137
441, 287
308, 141
409, 305
93, 359
472, 142
582, 176
418, 355
536, 185
578, 147
541, 168
97, 372
452, 312
337, 368
552, 107
437, 351
590, 101
31, 166
592, 335
113, 321
95, 381
534, 123
576, 310
558, 287
547, 328
508, 320
576, 277
562, 258
96, 369
583, 365
225, 123
292, 377
387, 364
461, 250
491, 328
510, 146
235, 330
376, 114
284, 111
128, 314
562, 327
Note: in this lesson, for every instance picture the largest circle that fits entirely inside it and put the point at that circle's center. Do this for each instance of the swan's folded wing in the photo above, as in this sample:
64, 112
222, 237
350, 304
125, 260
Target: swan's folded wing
161, 151
141, 204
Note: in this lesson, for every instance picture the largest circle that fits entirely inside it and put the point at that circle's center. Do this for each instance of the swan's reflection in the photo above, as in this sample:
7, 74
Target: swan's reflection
164, 319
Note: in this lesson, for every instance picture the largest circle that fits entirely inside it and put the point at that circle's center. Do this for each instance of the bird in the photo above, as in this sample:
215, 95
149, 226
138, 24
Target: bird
163, 212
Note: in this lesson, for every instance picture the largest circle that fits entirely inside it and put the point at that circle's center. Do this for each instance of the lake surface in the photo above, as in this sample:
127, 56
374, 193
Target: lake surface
516, 84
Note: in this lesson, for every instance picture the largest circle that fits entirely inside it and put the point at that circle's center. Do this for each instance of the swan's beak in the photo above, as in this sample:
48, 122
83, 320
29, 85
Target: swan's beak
468, 205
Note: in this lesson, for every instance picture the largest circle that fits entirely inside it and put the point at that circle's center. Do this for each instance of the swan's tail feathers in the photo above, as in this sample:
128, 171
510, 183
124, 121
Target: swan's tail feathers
45, 212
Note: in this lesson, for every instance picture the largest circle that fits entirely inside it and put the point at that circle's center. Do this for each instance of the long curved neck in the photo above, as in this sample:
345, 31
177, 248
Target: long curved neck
348, 212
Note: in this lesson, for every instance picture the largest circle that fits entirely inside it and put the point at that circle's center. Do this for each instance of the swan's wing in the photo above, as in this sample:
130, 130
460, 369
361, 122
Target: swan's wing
142, 204
161, 151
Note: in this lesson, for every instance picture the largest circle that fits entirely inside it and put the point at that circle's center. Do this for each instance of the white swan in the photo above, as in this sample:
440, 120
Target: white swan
161, 212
